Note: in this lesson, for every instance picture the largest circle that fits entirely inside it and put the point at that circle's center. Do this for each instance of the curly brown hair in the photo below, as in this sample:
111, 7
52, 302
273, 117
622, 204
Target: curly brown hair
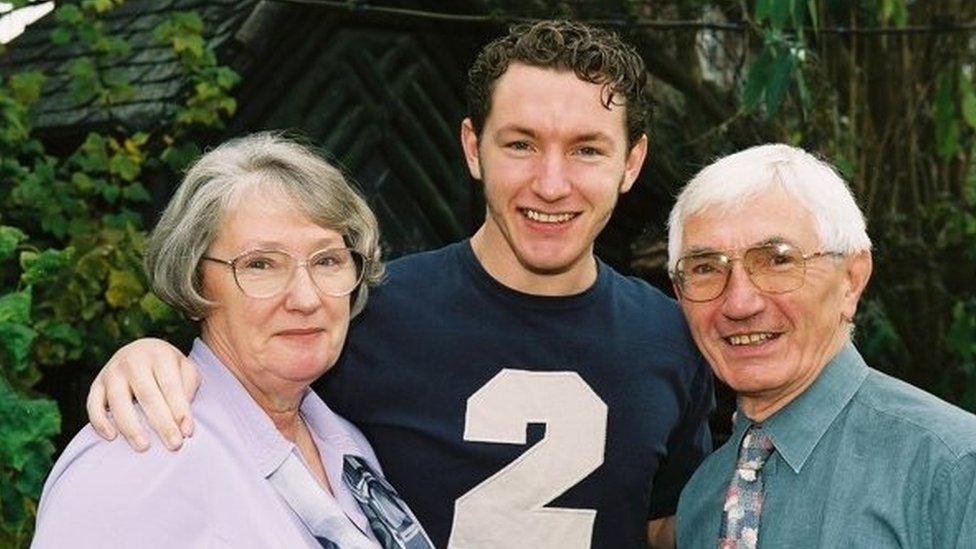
595, 55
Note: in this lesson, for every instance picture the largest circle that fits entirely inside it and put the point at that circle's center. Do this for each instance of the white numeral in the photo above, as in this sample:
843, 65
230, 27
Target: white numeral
508, 509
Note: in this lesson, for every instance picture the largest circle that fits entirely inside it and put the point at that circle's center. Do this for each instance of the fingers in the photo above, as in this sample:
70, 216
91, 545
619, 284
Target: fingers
124, 413
178, 386
191, 382
148, 388
163, 382
97, 412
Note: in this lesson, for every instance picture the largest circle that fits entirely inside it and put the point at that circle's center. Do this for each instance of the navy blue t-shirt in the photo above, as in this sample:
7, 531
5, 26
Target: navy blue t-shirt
512, 420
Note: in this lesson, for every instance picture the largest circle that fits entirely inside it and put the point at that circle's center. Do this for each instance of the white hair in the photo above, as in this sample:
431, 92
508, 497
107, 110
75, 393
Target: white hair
737, 178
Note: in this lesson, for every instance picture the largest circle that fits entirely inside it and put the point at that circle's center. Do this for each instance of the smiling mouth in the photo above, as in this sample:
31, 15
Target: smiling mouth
551, 218
301, 332
754, 338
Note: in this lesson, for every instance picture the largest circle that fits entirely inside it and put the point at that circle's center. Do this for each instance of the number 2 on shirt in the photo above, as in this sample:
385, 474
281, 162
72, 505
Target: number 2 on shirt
508, 509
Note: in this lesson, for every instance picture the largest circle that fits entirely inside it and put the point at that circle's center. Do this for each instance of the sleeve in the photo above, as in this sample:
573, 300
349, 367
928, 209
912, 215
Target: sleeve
102, 494
953, 505
688, 444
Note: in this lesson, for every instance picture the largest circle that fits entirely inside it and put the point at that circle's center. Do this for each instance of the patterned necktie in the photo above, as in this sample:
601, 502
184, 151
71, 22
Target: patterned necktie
391, 521
744, 497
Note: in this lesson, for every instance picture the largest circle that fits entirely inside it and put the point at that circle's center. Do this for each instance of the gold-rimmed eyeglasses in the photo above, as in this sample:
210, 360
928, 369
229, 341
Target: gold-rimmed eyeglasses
264, 274
775, 268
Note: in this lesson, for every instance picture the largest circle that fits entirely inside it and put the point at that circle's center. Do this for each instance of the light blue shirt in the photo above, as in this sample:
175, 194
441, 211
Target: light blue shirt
861, 460
213, 492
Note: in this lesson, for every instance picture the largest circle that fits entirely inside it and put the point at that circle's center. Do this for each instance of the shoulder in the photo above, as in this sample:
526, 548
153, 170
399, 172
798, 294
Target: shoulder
650, 314
899, 407
419, 266
639, 294
110, 473
412, 277
104, 488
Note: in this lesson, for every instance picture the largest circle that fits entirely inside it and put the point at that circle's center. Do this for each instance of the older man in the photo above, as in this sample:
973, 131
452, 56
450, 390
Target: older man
769, 256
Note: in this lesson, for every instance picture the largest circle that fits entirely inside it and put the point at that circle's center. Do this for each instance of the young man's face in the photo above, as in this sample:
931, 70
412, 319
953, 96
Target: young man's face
553, 161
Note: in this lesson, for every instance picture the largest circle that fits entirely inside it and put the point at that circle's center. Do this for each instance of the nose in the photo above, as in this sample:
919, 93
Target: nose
551, 182
741, 299
301, 295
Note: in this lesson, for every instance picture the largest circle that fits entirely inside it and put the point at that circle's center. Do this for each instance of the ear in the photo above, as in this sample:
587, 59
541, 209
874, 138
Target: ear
633, 163
677, 290
858, 272
469, 142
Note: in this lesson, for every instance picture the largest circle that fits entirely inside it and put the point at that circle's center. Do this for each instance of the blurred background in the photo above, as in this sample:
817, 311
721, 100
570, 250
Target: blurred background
103, 103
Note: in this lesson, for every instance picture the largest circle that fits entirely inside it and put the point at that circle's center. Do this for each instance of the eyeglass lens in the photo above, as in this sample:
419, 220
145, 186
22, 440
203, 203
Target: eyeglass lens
335, 272
776, 268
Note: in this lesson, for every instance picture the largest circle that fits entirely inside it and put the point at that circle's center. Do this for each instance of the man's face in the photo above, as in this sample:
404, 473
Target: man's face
553, 161
799, 331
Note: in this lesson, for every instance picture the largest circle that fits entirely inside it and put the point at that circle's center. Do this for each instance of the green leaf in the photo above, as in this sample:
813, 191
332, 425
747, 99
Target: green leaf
25, 427
69, 13
16, 340
779, 81
946, 120
124, 166
757, 79
26, 86
894, 11
61, 36
44, 266
10, 237
136, 193
814, 15
178, 157
61, 332
111, 193
227, 78
779, 13
99, 6
762, 10
16, 306
82, 182
968, 100
959, 339
124, 288
156, 308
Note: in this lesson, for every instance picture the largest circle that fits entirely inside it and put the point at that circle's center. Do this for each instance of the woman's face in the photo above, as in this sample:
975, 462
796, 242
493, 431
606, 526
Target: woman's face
283, 341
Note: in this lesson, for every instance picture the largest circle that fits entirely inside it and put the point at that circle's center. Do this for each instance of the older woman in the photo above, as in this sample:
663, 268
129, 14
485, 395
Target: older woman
271, 249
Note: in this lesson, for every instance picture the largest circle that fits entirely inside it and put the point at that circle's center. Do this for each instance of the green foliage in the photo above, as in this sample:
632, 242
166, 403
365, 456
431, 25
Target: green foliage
777, 68
72, 235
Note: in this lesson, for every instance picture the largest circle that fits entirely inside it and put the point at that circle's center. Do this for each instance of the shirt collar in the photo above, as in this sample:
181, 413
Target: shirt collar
798, 427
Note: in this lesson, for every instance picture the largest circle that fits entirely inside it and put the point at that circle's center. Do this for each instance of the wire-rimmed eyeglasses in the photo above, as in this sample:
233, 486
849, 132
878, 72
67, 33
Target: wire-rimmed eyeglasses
263, 274
775, 268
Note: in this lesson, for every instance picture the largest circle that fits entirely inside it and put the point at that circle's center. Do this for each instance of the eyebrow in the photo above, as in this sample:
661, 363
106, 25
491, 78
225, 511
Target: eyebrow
775, 239
516, 129
268, 245
583, 138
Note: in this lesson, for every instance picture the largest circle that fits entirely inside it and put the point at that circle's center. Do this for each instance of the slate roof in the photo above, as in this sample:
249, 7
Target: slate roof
152, 67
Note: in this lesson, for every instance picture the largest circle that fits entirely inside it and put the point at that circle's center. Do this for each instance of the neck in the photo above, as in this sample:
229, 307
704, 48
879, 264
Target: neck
281, 401
497, 258
759, 407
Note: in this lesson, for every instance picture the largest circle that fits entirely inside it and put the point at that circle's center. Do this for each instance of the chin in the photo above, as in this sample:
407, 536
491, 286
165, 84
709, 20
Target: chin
549, 260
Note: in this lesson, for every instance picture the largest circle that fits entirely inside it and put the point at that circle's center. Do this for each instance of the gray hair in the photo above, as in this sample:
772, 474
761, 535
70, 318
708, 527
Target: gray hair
216, 181
734, 179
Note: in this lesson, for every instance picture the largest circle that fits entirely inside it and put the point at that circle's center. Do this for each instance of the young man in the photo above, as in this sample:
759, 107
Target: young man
518, 391
770, 256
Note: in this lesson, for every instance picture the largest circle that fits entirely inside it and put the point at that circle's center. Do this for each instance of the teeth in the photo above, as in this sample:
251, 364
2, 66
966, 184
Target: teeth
542, 217
748, 339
